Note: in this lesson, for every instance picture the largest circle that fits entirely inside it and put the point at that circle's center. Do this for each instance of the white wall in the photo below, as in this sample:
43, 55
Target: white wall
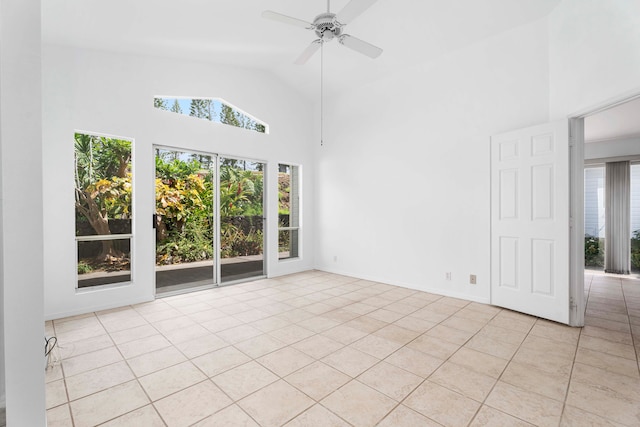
593, 53
403, 184
113, 94
21, 214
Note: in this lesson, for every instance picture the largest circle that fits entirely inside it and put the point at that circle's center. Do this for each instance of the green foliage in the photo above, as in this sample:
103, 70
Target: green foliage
228, 116
284, 241
112, 196
235, 242
99, 157
284, 193
102, 180
593, 251
241, 192
205, 108
184, 205
102, 192
635, 250
160, 103
84, 268
201, 108
175, 169
191, 243
233, 117
175, 108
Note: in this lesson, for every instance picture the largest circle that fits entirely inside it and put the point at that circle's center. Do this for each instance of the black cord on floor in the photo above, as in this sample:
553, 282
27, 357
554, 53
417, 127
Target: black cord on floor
49, 345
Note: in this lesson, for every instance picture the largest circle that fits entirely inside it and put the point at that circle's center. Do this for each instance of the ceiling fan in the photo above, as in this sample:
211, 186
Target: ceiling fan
329, 26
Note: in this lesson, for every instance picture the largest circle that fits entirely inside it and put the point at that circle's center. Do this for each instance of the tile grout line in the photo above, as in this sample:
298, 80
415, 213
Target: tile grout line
633, 340
340, 300
483, 403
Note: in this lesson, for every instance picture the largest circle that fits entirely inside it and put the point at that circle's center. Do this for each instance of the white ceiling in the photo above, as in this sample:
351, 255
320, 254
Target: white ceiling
233, 32
622, 121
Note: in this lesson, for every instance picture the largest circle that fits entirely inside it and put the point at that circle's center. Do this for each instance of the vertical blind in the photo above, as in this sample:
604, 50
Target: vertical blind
617, 218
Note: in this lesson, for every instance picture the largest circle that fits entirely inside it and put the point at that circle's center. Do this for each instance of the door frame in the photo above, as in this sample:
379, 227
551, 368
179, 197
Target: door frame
576, 202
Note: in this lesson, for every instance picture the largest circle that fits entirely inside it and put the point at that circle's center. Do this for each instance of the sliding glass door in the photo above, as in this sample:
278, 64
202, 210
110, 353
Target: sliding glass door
184, 220
241, 219
189, 210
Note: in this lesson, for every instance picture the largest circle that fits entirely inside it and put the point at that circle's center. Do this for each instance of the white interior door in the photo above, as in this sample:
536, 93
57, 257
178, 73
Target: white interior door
530, 220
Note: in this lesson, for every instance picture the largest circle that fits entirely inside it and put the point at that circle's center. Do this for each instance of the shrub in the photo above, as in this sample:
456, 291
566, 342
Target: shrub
635, 250
193, 243
593, 251
84, 268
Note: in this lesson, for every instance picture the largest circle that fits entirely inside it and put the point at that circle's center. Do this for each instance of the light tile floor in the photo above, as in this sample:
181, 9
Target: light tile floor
317, 349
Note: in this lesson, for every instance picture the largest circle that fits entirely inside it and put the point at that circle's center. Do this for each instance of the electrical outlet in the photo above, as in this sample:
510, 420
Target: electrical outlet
472, 279
447, 275
335, 258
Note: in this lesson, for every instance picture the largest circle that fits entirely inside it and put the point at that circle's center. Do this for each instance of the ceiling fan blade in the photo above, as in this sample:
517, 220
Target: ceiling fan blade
268, 14
352, 10
360, 46
308, 52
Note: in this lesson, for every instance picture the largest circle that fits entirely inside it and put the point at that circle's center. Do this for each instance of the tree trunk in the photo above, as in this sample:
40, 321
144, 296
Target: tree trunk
100, 225
122, 167
161, 229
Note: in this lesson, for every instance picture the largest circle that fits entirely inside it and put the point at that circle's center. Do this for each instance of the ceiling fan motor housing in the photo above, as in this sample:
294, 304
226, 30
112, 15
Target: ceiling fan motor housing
326, 26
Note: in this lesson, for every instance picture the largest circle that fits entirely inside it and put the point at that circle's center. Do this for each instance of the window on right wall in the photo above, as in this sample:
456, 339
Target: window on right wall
288, 211
635, 217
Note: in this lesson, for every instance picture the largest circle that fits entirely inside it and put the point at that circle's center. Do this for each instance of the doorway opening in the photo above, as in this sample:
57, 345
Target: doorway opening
604, 140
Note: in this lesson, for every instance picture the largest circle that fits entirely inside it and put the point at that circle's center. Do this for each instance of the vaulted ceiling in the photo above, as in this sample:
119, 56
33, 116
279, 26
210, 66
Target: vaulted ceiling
233, 32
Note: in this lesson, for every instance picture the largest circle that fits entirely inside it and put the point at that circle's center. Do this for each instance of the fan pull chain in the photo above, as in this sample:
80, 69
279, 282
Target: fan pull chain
321, 94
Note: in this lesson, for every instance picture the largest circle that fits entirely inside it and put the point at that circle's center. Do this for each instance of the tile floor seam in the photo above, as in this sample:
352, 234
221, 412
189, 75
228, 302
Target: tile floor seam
351, 424
633, 340
573, 364
590, 288
483, 403
398, 404
365, 385
392, 298
92, 394
152, 404
441, 364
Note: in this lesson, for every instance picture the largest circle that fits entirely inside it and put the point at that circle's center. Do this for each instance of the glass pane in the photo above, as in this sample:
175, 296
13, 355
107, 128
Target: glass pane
288, 210
635, 218
96, 270
103, 188
287, 244
594, 216
211, 109
241, 219
184, 220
